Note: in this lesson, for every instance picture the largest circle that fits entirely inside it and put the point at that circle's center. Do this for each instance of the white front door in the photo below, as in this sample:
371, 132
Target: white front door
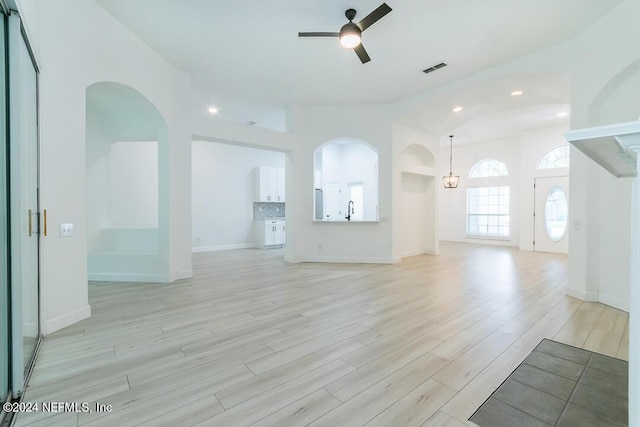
551, 214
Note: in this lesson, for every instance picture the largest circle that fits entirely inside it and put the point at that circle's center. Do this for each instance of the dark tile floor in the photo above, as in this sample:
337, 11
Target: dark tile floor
560, 385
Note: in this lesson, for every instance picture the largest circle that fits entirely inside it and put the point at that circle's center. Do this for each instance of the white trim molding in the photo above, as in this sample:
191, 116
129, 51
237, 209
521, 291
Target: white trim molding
344, 260
216, 248
65, 320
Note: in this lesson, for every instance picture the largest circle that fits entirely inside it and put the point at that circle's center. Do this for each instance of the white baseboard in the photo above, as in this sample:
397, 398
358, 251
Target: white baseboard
591, 296
615, 302
222, 247
596, 296
416, 253
344, 260
68, 319
411, 253
146, 278
117, 277
186, 274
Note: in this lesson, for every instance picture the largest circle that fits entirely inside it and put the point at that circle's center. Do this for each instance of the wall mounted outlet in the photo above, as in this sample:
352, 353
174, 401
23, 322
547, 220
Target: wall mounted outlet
66, 230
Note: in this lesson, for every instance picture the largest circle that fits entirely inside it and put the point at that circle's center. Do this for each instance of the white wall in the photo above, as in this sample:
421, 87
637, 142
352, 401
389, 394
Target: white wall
75, 53
418, 230
223, 192
599, 267
134, 184
337, 241
98, 180
600, 263
521, 154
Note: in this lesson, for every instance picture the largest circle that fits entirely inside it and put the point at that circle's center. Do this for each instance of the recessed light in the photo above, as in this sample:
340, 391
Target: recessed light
457, 109
563, 114
517, 93
213, 110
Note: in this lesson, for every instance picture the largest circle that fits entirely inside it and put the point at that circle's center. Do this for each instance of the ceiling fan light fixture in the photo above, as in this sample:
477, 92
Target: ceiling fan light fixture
350, 35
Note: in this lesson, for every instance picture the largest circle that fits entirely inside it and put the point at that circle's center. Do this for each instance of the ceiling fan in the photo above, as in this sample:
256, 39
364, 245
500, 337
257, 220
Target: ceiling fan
350, 33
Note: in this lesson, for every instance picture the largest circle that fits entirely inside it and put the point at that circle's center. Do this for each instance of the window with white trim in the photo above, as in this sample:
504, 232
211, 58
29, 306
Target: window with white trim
488, 212
559, 157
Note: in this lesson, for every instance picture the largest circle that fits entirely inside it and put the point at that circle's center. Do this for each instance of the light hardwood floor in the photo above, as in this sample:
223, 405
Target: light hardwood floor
252, 340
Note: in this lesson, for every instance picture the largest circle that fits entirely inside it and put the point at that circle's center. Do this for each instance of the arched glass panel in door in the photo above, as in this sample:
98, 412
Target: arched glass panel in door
556, 210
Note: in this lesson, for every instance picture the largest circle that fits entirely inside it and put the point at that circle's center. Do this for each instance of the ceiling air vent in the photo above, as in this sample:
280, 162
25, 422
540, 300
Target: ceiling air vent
434, 68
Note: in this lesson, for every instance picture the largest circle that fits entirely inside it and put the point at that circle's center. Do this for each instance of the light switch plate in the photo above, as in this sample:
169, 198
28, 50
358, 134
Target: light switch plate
66, 230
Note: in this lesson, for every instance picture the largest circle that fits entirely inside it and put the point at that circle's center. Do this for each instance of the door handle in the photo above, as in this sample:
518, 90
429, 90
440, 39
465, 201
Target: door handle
30, 225
45, 222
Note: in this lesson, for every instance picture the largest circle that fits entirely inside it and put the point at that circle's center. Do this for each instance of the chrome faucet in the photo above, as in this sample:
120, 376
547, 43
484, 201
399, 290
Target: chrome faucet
349, 210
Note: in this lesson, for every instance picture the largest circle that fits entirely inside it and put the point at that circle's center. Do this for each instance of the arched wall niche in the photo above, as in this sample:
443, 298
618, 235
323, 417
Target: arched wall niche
345, 181
419, 159
619, 99
127, 185
418, 201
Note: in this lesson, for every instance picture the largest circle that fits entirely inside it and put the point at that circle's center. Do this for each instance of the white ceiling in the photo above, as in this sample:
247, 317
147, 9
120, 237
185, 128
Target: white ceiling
249, 51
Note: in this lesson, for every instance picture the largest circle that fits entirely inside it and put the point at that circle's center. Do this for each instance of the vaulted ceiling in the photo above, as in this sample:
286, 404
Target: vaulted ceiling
248, 53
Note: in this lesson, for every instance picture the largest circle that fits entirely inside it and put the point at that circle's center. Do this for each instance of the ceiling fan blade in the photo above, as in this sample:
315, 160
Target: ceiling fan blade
362, 53
374, 16
318, 34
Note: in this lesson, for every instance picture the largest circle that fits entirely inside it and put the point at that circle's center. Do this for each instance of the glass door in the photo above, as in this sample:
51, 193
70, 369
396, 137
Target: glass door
24, 216
4, 244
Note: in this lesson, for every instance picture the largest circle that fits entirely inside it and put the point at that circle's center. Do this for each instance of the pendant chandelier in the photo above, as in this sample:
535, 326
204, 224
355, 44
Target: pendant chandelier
451, 180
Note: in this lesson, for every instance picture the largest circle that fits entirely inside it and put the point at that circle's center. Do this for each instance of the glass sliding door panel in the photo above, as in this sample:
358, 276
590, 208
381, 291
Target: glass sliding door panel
29, 202
23, 199
4, 244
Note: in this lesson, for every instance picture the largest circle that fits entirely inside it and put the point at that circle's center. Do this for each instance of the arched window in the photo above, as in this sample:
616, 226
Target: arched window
556, 158
487, 168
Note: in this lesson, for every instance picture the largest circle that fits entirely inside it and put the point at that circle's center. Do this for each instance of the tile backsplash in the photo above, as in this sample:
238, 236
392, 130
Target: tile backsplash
268, 210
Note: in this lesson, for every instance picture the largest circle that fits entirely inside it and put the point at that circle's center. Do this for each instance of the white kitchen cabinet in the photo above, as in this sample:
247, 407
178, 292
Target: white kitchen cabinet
270, 183
270, 233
